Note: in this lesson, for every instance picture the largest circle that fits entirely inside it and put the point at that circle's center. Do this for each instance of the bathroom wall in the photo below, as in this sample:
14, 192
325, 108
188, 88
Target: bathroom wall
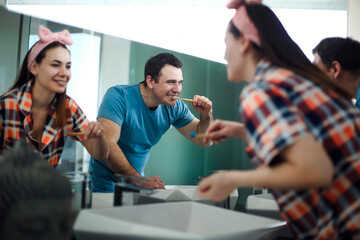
9, 54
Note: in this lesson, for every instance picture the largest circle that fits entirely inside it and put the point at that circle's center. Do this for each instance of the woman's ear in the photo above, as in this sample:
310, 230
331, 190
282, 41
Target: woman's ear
245, 43
33, 68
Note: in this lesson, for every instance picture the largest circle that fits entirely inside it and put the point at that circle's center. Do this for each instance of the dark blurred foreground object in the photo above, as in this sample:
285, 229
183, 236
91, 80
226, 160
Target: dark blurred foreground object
35, 199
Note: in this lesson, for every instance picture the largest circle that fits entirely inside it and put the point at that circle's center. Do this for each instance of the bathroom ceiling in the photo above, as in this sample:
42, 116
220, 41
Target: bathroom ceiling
300, 4
308, 4
185, 26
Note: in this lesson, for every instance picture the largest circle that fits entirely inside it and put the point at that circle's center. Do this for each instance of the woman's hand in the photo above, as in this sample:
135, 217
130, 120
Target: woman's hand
220, 130
217, 187
94, 130
95, 141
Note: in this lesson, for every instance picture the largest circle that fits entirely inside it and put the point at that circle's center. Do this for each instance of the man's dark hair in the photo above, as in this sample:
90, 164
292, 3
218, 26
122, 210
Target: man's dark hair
344, 50
154, 65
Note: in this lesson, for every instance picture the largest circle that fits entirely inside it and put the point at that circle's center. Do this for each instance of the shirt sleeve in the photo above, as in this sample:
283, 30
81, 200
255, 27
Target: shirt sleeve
1, 136
183, 115
272, 121
113, 105
79, 119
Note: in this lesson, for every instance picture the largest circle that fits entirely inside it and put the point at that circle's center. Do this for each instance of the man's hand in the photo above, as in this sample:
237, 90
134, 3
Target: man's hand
202, 104
154, 182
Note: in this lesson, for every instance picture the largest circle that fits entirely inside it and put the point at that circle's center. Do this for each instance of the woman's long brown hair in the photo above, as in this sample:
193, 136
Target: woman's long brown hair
25, 76
281, 50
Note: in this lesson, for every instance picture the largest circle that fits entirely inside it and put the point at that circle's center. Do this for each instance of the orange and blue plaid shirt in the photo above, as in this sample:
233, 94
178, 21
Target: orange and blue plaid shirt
278, 108
16, 122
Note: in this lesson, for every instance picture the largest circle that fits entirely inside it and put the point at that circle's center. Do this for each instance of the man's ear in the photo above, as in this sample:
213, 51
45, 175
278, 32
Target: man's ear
150, 81
335, 69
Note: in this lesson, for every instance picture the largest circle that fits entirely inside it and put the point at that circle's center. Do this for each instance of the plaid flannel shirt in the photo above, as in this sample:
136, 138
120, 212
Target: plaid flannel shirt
16, 122
278, 108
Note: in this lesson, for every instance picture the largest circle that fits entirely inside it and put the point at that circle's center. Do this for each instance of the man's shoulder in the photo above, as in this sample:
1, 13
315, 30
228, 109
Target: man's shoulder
123, 88
179, 107
118, 97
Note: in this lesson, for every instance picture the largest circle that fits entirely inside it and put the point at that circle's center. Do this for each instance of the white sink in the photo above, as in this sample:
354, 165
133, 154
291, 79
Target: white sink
172, 193
173, 220
263, 205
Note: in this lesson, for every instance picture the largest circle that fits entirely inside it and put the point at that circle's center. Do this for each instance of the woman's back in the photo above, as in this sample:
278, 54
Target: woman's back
279, 107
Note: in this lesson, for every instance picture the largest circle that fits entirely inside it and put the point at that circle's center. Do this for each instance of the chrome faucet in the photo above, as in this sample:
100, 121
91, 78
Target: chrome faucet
126, 194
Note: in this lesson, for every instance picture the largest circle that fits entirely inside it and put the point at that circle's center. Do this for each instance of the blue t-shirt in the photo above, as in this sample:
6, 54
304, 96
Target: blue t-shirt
358, 97
141, 128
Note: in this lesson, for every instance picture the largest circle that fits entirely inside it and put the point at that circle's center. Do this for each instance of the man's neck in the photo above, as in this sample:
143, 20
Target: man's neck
147, 96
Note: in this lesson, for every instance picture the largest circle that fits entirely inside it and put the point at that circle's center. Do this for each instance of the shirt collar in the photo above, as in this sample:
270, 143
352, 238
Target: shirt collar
261, 68
24, 98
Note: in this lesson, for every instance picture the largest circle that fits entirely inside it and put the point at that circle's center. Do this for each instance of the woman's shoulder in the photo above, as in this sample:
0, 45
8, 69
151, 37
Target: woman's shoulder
74, 109
10, 95
71, 103
278, 77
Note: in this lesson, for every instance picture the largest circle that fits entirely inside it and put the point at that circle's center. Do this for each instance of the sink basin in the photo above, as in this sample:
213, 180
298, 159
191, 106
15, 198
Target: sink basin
263, 205
173, 220
172, 193
191, 192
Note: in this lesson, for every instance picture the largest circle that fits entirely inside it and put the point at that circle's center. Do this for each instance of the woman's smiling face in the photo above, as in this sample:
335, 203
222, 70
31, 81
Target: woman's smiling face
54, 71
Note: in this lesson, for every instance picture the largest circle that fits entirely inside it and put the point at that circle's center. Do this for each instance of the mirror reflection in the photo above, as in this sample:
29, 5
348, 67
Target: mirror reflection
111, 48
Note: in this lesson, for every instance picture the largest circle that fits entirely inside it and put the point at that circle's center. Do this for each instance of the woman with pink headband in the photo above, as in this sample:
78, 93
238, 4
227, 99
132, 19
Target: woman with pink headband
37, 108
302, 130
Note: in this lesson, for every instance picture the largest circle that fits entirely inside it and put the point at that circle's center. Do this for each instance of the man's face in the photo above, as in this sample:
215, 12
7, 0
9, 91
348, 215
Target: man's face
319, 63
168, 85
345, 79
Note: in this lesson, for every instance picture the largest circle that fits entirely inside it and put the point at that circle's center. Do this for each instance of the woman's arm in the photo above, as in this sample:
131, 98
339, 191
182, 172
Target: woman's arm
306, 165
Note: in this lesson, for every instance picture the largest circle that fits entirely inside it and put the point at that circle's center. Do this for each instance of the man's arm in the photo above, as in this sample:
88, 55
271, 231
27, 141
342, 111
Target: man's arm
204, 106
117, 160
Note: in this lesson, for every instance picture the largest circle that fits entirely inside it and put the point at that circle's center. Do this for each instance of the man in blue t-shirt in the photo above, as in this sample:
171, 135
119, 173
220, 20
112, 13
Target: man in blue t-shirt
136, 116
339, 58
